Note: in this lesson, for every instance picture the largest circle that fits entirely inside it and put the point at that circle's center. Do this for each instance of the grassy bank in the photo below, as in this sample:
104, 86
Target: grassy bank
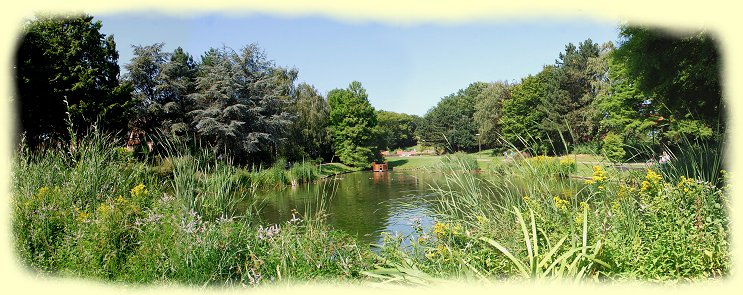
90, 211
527, 221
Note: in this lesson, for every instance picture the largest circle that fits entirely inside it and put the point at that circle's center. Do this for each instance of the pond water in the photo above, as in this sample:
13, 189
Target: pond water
363, 204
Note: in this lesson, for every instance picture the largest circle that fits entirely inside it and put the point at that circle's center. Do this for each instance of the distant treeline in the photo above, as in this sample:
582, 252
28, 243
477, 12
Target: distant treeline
654, 88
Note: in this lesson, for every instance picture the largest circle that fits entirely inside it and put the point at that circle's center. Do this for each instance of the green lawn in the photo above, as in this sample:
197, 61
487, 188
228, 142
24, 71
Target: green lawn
413, 163
329, 169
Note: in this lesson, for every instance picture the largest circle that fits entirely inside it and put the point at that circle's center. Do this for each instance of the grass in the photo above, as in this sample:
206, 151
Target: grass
615, 225
88, 210
330, 169
413, 163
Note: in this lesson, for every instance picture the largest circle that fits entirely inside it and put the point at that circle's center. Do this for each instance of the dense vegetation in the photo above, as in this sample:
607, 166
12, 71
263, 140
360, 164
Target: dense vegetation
232, 122
655, 90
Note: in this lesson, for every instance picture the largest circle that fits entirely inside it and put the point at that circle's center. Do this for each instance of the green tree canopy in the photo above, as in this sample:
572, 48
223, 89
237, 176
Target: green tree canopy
161, 81
681, 73
310, 136
626, 110
352, 121
522, 114
396, 130
489, 109
450, 125
66, 58
568, 103
241, 102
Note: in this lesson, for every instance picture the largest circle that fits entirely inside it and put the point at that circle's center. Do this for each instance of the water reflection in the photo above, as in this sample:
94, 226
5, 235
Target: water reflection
363, 204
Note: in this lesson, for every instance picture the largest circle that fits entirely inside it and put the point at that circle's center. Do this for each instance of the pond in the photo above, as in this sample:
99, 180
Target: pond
363, 204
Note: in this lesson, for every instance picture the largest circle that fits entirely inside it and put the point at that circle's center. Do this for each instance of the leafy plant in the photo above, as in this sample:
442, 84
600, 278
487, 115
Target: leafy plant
575, 262
612, 147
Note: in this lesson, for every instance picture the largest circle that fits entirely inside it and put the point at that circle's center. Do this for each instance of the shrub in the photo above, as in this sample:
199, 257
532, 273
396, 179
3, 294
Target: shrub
303, 173
669, 231
612, 147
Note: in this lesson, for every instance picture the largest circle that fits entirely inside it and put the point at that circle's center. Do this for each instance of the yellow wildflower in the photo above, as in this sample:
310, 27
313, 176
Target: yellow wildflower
103, 208
566, 161
560, 203
81, 216
139, 190
43, 191
440, 249
120, 200
645, 185
652, 176
440, 228
456, 229
599, 175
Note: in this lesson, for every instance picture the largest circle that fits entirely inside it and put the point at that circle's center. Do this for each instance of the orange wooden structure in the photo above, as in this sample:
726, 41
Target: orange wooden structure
381, 167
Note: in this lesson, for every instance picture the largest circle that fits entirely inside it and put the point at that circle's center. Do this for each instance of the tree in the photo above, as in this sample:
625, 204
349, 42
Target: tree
143, 72
681, 72
239, 104
489, 109
568, 104
161, 81
522, 114
612, 147
65, 65
352, 121
450, 125
395, 130
309, 130
177, 80
625, 110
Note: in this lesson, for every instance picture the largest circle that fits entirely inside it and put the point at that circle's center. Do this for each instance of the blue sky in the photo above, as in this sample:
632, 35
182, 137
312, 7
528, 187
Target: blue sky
403, 68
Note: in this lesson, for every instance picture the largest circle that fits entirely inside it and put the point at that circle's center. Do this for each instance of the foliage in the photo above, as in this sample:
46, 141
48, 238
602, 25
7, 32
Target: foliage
450, 125
161, 84
573, 263
89, 214
545, 166
241, 103
352, 120
670, 230
395, 130
459, 160
612, 148
588, 148
310, 128
65, 67
522, 114
703, 160
613, 227
627, 110
489, 109
681, 72
579, 75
